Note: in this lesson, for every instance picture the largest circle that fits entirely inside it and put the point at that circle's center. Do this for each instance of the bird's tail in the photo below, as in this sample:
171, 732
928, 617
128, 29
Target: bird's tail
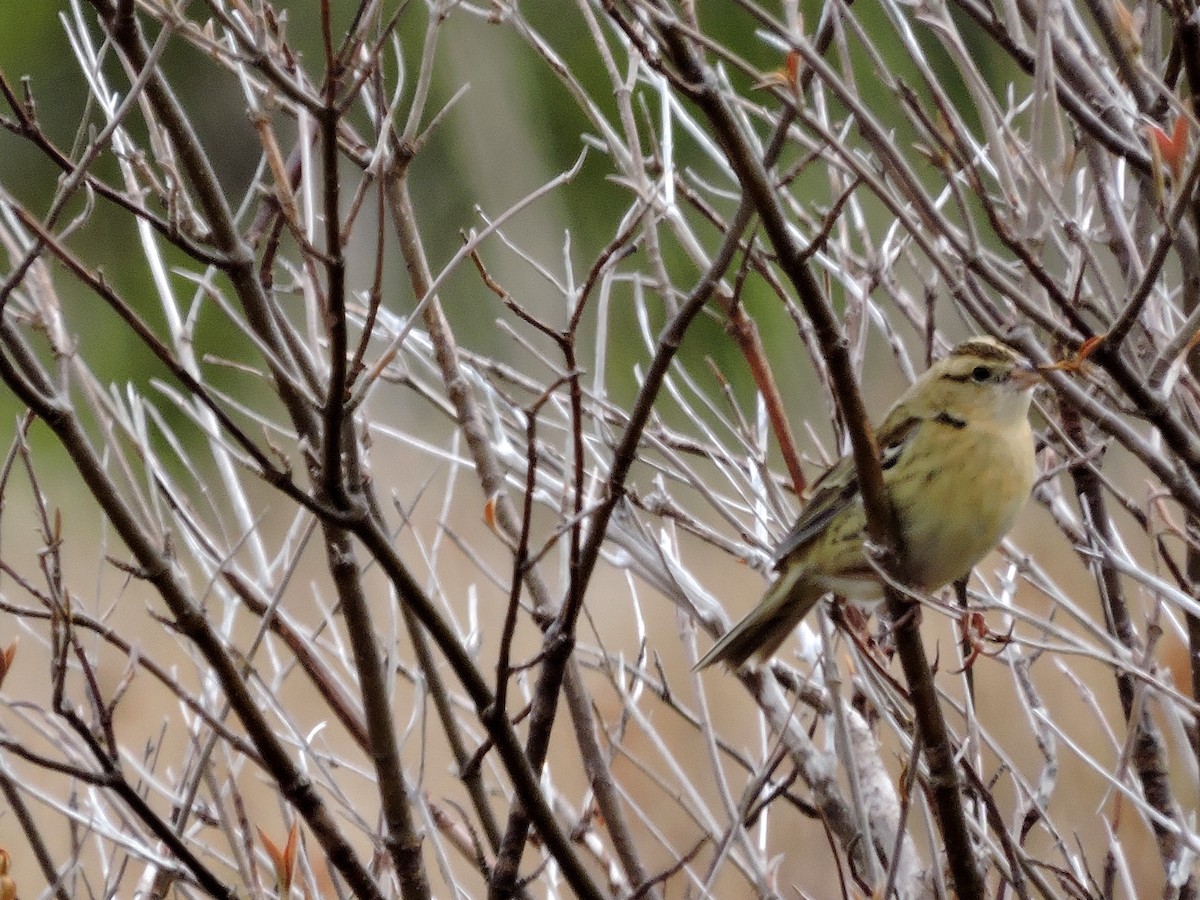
786, 602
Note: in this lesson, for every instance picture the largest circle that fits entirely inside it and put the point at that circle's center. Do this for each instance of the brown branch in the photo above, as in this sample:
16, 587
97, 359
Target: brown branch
1148, 750
191, 621
513, 756
939, 754
29, 826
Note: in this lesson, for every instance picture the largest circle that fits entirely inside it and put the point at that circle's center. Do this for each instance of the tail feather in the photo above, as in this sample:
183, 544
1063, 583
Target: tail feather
786, 602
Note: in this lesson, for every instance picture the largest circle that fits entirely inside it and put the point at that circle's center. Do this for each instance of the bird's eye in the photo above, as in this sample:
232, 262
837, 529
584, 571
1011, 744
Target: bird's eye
981, 374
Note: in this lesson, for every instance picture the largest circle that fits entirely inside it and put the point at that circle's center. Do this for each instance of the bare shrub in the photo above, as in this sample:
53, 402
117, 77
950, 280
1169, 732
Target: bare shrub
412, 442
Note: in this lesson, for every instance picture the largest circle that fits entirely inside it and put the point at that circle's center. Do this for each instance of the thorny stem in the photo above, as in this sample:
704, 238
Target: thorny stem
1189, 42
939, 754
1148, 751
515, 760
994, 218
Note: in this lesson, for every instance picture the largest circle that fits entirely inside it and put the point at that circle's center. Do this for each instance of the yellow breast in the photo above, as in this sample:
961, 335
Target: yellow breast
952, 514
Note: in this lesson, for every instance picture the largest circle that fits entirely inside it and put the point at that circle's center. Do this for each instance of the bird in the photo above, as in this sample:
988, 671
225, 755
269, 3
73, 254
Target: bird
958, 460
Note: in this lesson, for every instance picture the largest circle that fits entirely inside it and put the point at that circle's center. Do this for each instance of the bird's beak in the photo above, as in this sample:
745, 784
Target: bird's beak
1025, 377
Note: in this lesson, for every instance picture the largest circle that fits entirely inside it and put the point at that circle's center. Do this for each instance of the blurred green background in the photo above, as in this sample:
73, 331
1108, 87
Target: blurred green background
515, 128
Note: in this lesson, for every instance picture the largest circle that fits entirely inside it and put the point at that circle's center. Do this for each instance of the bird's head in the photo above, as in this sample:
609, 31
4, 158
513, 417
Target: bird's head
981, 378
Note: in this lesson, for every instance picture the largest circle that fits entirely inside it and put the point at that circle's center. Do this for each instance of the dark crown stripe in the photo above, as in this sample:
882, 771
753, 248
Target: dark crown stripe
985, 350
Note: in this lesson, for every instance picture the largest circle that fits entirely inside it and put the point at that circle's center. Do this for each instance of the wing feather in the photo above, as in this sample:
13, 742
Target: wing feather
838, 487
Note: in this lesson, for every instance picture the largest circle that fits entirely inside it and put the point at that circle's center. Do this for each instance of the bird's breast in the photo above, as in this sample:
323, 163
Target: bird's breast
961, 495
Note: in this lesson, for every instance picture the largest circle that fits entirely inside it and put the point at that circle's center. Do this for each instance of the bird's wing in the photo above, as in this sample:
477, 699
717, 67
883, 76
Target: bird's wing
838, 487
